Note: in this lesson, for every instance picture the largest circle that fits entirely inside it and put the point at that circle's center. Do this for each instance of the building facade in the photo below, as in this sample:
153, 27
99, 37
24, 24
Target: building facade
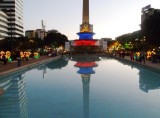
14, 10
148, 13
3, 25
38, 33
30, 34
150, 25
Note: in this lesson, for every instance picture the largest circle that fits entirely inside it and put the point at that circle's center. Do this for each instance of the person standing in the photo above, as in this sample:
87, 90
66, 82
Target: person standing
4, 59
18, 59
132, 56
142, 57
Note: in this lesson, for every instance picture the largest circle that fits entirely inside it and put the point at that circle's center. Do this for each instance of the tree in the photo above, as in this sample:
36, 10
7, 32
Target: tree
55, 39
133, 39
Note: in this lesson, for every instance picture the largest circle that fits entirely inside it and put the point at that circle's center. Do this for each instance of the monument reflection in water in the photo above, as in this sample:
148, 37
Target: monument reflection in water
86, 64
18, 92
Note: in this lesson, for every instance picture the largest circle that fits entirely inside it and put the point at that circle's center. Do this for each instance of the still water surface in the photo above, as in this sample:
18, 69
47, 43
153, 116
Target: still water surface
96, 87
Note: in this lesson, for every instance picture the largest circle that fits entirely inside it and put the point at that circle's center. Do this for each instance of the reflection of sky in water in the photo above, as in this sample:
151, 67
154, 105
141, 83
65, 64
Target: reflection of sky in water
116, 90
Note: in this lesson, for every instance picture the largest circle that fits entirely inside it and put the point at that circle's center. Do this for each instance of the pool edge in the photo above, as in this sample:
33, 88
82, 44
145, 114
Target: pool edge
27, 67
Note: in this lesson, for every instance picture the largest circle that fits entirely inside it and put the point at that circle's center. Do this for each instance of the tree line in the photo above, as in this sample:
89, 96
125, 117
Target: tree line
53, 39
147, 38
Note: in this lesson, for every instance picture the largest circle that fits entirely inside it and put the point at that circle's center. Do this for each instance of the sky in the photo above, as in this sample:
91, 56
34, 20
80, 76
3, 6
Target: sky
110, 18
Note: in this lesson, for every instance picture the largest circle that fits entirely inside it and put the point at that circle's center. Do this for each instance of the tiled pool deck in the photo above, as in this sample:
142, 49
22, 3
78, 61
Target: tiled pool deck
12, 67
148, 64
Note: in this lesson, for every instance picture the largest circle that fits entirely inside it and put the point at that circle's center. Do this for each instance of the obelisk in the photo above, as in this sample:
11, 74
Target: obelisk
85, 42
85, 27
85, 11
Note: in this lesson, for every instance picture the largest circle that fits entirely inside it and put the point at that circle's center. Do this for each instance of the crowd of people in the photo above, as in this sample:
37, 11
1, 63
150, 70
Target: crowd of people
139, 56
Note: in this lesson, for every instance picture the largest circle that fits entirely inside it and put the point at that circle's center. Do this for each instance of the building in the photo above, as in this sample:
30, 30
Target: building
102, 40
148, 13
150, 25
38, 33
104, 43
14, 10
3, 25
30, 34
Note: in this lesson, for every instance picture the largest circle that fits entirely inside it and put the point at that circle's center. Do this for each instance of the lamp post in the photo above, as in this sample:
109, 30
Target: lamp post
43, 30
10, 25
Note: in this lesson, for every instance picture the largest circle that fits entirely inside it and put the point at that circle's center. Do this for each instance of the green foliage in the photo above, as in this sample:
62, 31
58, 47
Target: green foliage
55, 39
132, 41
130, 37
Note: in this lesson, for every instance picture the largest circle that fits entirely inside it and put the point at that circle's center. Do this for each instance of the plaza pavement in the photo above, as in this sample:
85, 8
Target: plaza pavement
12, 67
148, 64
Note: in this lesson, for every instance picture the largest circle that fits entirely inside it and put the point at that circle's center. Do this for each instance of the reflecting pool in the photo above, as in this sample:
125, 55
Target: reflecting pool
81, 87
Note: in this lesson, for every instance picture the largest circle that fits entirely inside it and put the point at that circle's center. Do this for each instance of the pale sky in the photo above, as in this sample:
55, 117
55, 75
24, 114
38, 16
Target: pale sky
110, 18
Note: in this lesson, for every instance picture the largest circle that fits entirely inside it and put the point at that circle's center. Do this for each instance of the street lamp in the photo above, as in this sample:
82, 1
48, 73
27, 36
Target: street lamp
43, 30
11, 32
8, 11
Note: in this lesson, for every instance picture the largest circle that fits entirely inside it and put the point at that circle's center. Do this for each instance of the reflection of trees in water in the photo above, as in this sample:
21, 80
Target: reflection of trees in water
148, 81
128, 64
85, 58
13, 103
58, 64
